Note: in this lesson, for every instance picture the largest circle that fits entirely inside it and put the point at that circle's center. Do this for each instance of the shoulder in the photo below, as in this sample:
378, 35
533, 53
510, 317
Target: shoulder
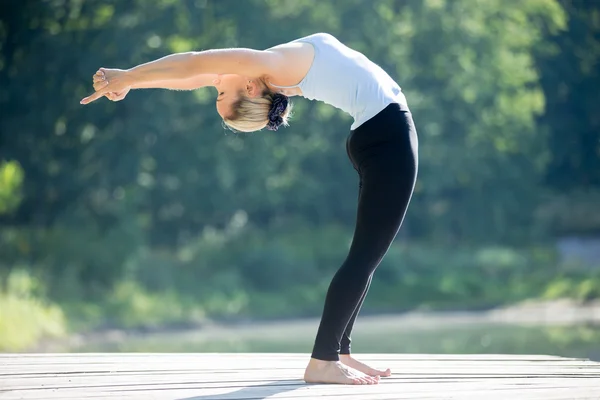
319, 36
289, 62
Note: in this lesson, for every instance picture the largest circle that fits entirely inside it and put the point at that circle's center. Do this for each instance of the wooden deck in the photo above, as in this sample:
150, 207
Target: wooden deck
277, 376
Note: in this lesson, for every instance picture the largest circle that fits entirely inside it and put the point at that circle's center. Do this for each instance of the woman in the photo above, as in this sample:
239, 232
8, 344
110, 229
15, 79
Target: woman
254, 87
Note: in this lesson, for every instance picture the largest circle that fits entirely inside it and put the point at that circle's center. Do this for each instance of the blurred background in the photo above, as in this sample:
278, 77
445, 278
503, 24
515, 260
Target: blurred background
144, 225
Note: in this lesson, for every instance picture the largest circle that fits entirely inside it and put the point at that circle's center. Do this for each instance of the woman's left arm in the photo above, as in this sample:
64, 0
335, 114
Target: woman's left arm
239, 61
183, 66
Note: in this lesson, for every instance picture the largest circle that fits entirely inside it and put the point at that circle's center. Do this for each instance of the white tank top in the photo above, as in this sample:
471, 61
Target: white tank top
347, 80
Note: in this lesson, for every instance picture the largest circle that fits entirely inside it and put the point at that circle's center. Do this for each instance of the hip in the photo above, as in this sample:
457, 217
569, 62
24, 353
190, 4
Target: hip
393, 126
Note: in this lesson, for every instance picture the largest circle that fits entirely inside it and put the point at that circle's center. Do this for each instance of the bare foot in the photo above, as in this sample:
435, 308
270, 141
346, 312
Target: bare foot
364, 368
319, 371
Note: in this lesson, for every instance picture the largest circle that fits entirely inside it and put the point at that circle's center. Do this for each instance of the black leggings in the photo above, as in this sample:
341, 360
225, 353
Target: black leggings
384, 152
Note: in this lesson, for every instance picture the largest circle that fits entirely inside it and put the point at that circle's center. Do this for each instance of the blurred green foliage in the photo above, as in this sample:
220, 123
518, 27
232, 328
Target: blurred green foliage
11, 179
24, 317
148, 211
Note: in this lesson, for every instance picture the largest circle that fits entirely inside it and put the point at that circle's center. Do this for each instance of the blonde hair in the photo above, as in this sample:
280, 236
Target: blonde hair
252, 113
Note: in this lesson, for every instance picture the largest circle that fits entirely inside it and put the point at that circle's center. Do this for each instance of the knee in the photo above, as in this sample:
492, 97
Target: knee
361, 268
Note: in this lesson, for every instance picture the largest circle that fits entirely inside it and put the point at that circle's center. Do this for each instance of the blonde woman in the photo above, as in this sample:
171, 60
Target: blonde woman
254, 87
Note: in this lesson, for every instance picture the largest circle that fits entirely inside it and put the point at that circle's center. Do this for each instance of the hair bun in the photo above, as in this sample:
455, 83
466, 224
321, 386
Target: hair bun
280, 103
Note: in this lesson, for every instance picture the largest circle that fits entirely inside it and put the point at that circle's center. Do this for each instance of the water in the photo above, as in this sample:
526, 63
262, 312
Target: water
372, 335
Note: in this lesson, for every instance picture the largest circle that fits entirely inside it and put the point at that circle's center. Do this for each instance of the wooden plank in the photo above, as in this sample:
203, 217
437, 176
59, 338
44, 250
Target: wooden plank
117, 385
276, 376
287, 356
427, 369
454, 390
223, 359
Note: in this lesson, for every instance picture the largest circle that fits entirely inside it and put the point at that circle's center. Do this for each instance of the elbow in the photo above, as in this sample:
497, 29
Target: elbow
205, 62
223, 61
192, 65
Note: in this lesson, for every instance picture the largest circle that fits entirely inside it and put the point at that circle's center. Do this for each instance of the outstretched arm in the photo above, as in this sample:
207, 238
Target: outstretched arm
187, 66
104, 75
239, 61
195, 82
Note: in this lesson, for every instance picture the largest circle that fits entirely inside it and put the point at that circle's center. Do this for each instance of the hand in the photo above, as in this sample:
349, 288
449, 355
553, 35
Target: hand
112, 83
117, 96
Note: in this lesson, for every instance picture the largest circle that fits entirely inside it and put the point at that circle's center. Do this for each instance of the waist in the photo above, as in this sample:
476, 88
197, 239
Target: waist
393, 116
377, 105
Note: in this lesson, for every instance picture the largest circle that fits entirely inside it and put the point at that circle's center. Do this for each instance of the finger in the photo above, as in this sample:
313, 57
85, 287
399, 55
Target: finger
100, 85
122, 93
115, 96
99, 78
93, 97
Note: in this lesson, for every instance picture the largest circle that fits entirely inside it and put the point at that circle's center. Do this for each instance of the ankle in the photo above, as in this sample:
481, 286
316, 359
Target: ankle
320, 363
330, 356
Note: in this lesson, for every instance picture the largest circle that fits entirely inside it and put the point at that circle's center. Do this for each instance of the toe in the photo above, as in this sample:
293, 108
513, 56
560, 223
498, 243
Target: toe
368, 380
378, 372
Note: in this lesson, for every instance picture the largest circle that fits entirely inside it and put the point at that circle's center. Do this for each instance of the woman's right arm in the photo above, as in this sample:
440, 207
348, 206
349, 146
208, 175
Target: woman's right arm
193, 83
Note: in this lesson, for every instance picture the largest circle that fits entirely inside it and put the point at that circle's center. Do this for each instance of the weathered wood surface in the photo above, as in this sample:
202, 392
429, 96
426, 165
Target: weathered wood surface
278, 376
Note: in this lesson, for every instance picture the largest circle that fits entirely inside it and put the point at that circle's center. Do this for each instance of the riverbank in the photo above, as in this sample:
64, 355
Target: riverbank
412, 277
563, 312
